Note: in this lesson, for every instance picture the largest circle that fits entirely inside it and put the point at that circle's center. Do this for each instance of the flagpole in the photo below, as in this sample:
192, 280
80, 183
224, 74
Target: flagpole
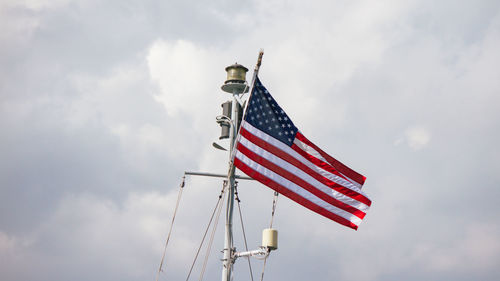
254, 76
228, 252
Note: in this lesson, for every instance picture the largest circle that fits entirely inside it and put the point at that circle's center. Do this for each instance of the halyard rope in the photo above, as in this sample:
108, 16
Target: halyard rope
243, 228
275, 202
171, 226
205, 234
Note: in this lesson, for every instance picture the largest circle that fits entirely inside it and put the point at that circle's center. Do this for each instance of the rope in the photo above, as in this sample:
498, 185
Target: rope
275, 202
181, 188
211, 239
243, 228
205, 234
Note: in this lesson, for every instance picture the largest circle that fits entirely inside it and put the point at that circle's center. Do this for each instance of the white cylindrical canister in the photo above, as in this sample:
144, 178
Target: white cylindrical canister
270, 238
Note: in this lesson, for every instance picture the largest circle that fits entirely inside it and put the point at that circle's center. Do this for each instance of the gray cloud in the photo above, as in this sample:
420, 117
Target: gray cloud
103, 105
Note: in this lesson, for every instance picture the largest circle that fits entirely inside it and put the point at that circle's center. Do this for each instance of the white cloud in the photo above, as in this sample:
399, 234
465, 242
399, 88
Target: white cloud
477, 249
98, 229
20, 19
184, 73
364, 71
43, 4
15, 28
415, 137
6, 243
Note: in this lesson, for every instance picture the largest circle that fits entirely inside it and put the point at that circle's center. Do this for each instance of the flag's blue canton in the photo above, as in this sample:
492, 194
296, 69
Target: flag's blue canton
265, 114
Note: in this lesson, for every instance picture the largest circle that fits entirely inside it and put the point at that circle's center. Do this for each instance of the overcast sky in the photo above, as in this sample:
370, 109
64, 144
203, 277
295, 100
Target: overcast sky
104, 105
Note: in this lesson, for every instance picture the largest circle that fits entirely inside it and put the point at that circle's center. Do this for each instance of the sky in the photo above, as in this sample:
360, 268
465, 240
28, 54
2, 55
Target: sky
105, 104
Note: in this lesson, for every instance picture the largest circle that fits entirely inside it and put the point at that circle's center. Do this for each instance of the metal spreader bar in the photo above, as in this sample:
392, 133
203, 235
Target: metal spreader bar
216, 175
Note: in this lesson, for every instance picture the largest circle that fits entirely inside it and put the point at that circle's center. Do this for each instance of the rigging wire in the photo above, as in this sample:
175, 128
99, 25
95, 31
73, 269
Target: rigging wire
181, 188
275, 202
243, 227
212, 235
208, 226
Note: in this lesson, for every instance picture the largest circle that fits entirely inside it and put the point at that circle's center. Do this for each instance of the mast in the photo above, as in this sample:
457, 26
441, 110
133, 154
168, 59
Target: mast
235, 85
228, 233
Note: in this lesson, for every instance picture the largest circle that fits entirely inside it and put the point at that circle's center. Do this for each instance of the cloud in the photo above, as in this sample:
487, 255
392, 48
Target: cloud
416, 138
103, 105
96, 229
183, 73
40, 4
478, 249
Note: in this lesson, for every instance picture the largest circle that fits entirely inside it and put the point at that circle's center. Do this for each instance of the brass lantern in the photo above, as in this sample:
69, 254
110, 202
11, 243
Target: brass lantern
236, 79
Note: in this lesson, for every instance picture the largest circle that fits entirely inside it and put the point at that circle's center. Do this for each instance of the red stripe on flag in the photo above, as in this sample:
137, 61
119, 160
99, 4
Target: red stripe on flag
298, 181
327, 167
334, 162
285, 156
288, 193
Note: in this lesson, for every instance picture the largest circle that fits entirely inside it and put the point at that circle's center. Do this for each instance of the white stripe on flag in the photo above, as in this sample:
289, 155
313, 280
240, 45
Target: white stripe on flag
297, 189
302, 175
267, 138
311, 151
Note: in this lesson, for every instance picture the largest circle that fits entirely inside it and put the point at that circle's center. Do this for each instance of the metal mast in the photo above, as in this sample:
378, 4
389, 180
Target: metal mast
235, 85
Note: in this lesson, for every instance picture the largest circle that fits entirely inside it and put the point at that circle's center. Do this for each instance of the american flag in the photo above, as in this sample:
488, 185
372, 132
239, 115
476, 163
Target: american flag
272, 150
